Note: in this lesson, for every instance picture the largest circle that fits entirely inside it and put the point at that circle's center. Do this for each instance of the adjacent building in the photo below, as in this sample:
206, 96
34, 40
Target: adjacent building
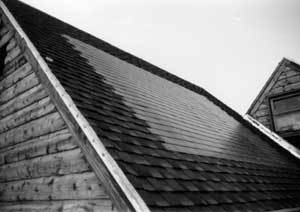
277, 106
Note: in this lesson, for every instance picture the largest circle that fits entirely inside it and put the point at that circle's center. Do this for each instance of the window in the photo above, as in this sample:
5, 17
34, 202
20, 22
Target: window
285, 112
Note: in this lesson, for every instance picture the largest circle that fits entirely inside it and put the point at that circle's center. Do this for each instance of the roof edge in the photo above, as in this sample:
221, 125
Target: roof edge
132, 195
283, 61
272, 135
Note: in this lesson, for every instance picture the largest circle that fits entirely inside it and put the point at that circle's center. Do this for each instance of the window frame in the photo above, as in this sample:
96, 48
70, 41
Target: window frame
271, 100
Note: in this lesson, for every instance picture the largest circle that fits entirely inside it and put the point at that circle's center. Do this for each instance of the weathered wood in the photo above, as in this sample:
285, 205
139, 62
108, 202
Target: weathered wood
43, 145
12, 54
263, 112
285, 88
293, 79
28, 82
21, 101
39, 159
291, 71
5, 38
293, 86
11, 44
14, 65
263, 105
16, 76
280, 83
68, 187
286, 78
27, 114
38, 127
3, 31
103, 205
62, 163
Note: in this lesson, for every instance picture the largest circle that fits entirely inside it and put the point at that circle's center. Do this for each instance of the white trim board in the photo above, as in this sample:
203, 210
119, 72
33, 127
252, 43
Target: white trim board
272, 135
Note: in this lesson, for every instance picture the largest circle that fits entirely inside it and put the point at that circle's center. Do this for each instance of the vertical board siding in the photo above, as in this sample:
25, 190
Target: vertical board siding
41, 166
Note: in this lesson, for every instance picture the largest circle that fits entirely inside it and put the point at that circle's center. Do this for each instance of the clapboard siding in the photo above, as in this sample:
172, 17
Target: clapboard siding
16, 76
22, 101
58, 206
41, 166
51, 164
51, 143
285, 79
66, 187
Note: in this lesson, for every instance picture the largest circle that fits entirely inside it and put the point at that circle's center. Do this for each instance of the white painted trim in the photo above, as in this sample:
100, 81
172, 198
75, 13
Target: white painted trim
276, 138
288, 210
134, 198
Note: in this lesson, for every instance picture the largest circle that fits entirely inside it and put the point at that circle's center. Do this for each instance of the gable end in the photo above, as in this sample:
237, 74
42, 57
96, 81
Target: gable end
106, 169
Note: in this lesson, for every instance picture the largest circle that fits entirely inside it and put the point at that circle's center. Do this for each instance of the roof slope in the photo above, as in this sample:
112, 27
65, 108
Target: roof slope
181, 148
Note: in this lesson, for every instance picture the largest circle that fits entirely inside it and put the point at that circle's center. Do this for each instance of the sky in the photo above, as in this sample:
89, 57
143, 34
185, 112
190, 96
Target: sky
228, 47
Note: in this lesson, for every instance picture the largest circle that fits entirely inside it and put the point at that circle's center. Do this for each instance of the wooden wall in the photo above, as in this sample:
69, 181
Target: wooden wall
288, 79
41, 167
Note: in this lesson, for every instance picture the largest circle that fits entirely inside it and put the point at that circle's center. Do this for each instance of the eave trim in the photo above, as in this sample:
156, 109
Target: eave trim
132, 195
272, 135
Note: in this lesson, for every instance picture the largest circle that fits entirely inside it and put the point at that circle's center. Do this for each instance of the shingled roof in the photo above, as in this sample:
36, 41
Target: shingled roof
179, 147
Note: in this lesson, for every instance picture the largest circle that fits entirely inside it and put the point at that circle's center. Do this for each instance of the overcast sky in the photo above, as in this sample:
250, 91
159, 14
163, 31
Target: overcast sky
228, 47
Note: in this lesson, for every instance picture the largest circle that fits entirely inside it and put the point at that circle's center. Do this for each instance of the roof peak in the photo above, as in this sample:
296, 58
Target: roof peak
276, 71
